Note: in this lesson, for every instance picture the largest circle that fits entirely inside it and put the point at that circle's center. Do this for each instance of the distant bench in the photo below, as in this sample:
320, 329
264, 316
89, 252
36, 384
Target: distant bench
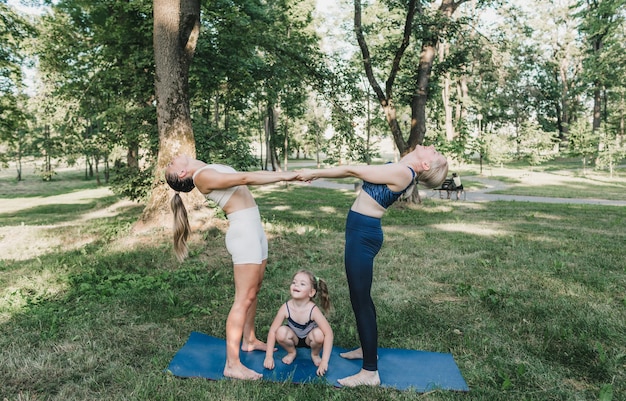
448, 188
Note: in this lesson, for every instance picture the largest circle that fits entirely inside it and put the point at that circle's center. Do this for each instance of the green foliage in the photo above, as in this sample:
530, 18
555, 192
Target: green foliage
131, 182
583, 141
231, 147
534, 145
254, 58
606, 393
97, 66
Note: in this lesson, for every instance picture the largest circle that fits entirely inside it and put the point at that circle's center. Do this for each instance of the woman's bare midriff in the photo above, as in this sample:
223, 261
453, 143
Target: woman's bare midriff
241, 199
366, 205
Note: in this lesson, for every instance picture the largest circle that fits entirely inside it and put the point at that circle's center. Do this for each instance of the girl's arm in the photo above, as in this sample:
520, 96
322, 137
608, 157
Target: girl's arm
271, 337
327, 348
210, 179
396, 176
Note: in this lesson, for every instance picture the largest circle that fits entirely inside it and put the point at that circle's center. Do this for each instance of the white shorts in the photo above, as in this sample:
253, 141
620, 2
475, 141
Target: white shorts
245, 239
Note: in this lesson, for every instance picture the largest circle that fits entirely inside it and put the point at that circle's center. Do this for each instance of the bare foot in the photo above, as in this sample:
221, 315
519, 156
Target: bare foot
287, 359
241, 372
256, 345
317, 359
354, 354
363, 378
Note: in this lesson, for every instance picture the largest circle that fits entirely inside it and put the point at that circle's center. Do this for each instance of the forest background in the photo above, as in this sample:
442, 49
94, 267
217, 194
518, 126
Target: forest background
485, 80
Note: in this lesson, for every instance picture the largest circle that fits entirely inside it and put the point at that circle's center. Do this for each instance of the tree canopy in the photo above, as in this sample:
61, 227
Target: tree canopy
503, 80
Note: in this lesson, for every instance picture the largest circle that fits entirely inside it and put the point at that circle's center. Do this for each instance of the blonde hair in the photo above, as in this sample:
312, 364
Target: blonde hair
321, 289
181, 220
437, 173
181, 227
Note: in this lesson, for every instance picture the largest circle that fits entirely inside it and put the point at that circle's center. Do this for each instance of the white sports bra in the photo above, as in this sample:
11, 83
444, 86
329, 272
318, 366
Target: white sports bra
219, 196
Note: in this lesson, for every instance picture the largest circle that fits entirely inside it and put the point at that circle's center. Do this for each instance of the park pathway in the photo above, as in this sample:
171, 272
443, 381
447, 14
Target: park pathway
484, 195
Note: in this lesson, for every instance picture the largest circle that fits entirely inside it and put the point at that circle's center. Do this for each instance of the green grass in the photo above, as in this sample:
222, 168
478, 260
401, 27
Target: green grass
557, 182
66, 181
529, 298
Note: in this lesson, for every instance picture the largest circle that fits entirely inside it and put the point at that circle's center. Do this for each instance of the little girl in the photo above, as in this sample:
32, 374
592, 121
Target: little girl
306, 324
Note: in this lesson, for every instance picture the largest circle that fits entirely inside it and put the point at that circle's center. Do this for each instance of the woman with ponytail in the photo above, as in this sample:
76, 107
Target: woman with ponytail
245, 241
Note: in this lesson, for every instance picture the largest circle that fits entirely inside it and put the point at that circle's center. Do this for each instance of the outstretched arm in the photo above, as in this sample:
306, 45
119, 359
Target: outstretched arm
210, 179
396, 176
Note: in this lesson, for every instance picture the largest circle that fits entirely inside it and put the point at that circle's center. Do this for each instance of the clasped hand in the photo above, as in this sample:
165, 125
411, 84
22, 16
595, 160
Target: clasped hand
305, 175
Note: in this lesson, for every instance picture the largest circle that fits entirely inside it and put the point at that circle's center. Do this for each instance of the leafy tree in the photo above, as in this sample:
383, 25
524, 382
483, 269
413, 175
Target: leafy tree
599, 21
176, 31
558, 101
584, 142
14, 127
14, 31
97, 58
424, 26
600, 25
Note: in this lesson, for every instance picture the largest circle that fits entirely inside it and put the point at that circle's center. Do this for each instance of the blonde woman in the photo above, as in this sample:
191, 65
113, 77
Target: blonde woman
245, 241
382, 186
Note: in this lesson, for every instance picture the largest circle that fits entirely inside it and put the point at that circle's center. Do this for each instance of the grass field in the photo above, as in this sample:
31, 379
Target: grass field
530, 298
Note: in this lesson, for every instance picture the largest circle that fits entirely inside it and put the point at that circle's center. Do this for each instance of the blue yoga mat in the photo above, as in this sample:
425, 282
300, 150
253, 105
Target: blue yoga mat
204, 356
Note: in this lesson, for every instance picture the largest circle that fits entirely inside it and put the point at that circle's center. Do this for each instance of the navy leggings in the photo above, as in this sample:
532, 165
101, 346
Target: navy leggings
364, 237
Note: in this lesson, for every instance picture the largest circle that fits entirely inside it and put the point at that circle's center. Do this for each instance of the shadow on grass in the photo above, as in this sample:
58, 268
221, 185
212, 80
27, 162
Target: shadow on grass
529, 298
55, 213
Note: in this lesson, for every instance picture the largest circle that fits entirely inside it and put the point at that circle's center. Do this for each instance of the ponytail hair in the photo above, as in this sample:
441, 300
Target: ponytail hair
181, 227
321, 290
181, 220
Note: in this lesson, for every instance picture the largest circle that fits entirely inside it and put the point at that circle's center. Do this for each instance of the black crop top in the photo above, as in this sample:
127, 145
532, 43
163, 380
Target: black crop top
382, 194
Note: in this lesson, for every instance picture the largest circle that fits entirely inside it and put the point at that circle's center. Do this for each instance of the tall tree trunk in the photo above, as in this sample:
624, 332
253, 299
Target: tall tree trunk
269, 134
424, 70
563, 117
107, 170
418, 103
446, 94
597, 107
18, 160
622, 124
132, 154
286, 144
96, 162
386, 98
176, 30
462, 91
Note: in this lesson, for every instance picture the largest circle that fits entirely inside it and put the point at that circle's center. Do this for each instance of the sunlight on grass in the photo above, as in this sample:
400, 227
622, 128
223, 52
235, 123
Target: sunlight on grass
319, 211
23, 286
281, 208
556, 285
80, 197
27, 242
24, 241
300, 229
484, 229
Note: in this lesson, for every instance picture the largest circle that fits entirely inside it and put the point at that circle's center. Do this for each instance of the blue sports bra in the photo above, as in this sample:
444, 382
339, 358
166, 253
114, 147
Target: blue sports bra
381, 192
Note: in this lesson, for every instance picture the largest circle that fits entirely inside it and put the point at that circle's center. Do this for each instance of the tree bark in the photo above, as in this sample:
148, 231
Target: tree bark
446, 94
424, 71
386, 98
176, 30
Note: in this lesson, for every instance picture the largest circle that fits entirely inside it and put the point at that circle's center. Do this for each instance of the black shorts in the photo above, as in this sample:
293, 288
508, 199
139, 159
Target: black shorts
302, 343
